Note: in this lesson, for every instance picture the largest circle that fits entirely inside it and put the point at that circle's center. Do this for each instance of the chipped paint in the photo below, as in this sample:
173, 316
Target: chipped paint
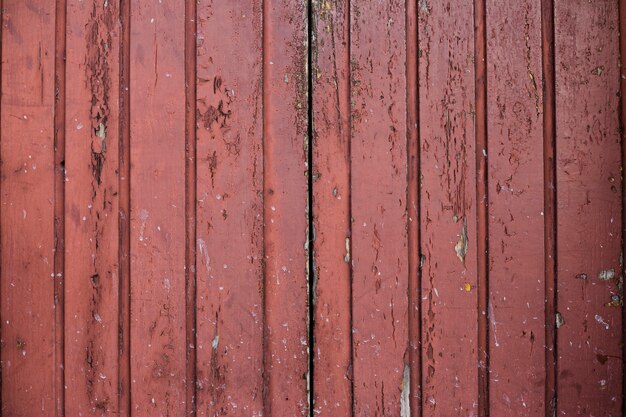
461, 246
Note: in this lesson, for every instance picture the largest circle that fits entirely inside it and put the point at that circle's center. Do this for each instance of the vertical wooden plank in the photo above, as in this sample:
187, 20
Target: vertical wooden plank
332, 356
379, 192
589, 209
448, 209
230, 209
191, 17
549, 203
413, 211
27, 209
92, 190
516, 221
285, 141
158, 314
124, 364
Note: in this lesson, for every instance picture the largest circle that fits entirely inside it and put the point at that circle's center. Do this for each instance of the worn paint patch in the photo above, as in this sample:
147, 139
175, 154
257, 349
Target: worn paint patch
559, 320
607, 274
405, 405
461, 246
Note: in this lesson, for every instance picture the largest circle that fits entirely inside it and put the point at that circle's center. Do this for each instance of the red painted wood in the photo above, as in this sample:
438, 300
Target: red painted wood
230, 209
27, 305
285, 104
589, 204
413, 207
332, 380
154, 180
516, 218
91, 207
379, 192
157, 196
448, 209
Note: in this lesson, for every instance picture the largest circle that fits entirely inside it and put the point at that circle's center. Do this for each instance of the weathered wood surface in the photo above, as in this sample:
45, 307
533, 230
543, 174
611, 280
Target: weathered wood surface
181, 180
589, 175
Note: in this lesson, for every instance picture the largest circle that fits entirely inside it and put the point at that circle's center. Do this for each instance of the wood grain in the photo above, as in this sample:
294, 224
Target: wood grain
157, 195
589, 203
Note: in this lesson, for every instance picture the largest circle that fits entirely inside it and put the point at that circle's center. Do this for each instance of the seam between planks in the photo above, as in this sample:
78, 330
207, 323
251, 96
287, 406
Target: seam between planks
190, 207
311, 274
550, 220
124, 395
59, 205
264, 111
350, 220
482, 202
622, 122
1, 188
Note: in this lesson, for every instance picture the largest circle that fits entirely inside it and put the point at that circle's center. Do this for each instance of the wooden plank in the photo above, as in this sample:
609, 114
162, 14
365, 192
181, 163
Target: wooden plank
332, 356
230, 209
413, 216
27, 210
516, 221
91, 206
589, 209
285, 141
157, 105
448, 209
379, 192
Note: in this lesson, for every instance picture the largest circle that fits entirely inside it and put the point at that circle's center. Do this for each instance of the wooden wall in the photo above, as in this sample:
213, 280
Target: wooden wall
312, 208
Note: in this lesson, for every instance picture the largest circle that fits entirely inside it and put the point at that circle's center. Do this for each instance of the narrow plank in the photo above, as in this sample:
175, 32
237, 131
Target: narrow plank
413, 214
27, 209
549, 203
124, 212
191, 17
59, 203
448, 209
157, 195
285, 107
515, 125
229, 209
482, 202
332, 356
589, 209
379, 208
92, 204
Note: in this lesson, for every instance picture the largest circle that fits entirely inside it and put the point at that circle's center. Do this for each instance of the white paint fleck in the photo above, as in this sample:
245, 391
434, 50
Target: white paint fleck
600, 320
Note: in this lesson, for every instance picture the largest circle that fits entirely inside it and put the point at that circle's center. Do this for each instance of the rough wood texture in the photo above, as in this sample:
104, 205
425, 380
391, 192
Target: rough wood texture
331, 209
379, 235
515, 148
285, 244
230, 209
157, 251
589, 202
27, 209
91, 207
448, 209
161, 163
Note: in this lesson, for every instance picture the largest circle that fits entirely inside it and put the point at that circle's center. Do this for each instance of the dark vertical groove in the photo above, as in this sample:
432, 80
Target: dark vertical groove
482, 203
413, 204
622, 120
349, 156
549, 173
1, 189
310, 225
265, 112
190, 206
124, 372
59, 205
